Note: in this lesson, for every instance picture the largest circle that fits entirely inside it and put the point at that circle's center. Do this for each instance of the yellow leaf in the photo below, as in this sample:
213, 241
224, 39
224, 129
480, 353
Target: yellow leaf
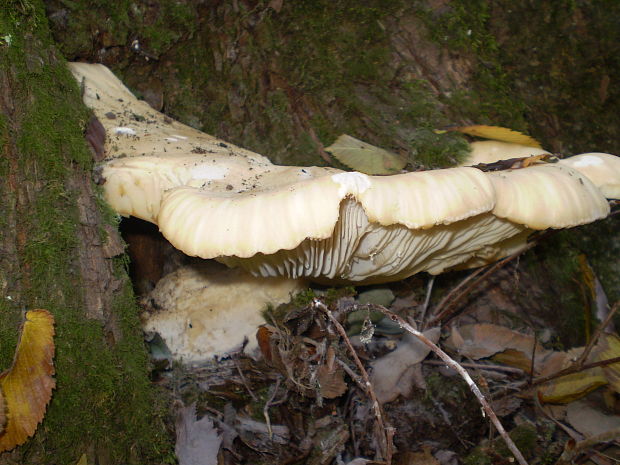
498, 133
365, 158
83, 460
2, 412
571, 387
610, 348
28, 384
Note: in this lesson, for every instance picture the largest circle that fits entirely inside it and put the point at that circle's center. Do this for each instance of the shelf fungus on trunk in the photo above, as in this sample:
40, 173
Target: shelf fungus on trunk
211, 199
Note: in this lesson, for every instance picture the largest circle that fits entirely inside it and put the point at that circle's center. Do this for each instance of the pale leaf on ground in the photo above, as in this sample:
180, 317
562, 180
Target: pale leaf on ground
392, 374
588, 420
364, 157
198, 442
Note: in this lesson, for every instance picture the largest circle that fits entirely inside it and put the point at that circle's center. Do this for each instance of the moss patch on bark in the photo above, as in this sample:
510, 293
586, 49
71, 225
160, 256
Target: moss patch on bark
103, 404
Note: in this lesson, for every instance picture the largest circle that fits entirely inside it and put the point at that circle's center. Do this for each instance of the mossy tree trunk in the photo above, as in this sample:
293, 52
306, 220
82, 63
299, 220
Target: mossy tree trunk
60, 251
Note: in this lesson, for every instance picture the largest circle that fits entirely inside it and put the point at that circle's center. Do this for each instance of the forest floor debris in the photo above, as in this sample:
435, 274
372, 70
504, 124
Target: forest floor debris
316, 394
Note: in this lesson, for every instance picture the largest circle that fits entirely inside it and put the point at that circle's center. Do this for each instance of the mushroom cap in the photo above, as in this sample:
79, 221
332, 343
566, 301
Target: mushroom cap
603, 169
489, 151
214, 200
134, 128
547, 196
287, 205
134, 186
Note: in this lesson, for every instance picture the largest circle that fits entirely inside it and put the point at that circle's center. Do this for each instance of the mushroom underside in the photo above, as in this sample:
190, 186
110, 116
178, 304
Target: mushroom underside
365, 252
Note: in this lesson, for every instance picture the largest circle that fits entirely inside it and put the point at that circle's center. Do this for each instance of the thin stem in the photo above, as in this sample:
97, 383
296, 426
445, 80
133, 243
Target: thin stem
594, 339
461, 371
441, 313
387, 431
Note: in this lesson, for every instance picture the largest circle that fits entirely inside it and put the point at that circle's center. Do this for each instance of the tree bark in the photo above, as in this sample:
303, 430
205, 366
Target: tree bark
60, 250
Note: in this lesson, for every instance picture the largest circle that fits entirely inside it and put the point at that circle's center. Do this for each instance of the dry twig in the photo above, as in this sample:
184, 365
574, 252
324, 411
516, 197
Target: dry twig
443, 311
387, 430
461, 371
266, 408
572, 449
579, 364
594, 339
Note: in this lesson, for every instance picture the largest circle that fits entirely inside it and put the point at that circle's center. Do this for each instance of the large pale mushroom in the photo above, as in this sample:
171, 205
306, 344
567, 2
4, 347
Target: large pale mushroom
603, 169
186, 309
213, 200
489, 151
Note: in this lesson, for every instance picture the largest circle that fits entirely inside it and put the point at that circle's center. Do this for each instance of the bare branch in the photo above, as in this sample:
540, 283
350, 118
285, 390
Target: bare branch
461, 371
387, 431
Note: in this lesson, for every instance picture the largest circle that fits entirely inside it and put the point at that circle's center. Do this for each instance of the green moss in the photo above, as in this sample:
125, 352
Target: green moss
489, 97
525, 437
103, 399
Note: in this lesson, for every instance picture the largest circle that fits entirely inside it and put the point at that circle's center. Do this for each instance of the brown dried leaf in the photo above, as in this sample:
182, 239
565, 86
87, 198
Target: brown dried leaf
331, 381
263, 336
28, 384
419, 458
487, 340
589, 419
570, 387
516, 163
498, 133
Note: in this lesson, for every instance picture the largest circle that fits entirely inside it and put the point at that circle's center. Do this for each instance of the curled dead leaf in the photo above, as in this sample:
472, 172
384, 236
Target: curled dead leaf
28, 384
496, 133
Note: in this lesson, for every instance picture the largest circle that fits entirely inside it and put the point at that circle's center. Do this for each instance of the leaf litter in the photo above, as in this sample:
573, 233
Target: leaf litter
305, 398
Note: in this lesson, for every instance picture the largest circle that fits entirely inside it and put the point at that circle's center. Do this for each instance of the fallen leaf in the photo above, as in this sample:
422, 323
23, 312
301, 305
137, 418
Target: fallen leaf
497, 133
571, 387
263, 336
83, 460
198, 442
588, 420
515, 349
516, 163
2, 412
365, 158
28, 384
609, 345
420, 458
392, 373
505, 345
331, 381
